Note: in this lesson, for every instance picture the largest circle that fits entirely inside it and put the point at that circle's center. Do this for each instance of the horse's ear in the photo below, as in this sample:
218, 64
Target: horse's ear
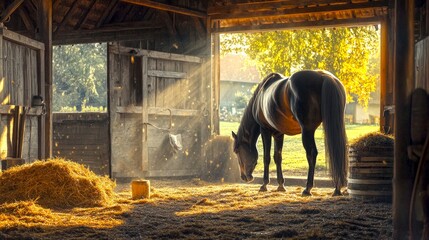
234, 135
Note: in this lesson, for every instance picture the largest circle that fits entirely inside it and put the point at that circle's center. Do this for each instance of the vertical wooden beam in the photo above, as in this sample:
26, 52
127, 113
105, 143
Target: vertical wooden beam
145, 115
404, 85
2, 57
215, 86
384, 54
44, 35
109, 110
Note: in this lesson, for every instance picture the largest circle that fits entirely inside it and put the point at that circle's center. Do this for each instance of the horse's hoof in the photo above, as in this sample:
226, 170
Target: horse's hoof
263, 188
337, 193
281, 188
306, 193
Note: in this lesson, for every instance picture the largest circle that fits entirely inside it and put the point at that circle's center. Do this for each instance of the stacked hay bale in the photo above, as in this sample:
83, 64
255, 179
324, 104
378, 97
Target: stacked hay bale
56, 183
222, 163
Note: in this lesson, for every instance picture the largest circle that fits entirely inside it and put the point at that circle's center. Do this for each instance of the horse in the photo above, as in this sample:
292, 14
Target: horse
294, 105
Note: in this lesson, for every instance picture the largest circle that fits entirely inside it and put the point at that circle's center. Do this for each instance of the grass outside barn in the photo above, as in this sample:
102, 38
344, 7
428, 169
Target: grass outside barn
294, 159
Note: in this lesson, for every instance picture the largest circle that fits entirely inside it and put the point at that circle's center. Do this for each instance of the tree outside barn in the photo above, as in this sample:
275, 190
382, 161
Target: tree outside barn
352, 54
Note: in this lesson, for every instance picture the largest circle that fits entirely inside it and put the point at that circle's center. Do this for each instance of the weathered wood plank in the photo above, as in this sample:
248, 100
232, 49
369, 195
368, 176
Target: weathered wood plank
299, 25
167, 74
299, 11
158, 111
167, 7
145, 115
156, 54
21, 39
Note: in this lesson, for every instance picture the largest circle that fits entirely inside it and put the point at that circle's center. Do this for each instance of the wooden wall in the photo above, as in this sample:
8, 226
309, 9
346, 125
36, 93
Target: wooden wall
20, 74
151, 97
421, 64
83, 138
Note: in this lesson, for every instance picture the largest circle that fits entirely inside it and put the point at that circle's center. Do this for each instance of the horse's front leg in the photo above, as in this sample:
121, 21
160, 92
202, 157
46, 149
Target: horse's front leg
278, 146
266, 141
311, 152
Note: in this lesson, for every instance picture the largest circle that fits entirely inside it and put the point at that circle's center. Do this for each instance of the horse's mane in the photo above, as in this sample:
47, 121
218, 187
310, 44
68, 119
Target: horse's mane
248, 111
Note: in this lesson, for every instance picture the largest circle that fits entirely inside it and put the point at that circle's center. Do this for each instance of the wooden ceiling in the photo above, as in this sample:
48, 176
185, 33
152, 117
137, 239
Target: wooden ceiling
239, 15
80, 21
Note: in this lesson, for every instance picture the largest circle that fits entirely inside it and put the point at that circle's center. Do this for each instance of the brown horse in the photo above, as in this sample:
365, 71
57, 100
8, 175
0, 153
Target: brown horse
298, 104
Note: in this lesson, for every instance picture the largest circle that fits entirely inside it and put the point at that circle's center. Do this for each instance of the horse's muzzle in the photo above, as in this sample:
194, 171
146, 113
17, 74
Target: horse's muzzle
247, 178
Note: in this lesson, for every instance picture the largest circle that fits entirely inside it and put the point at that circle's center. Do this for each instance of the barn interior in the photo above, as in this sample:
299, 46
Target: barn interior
174, 47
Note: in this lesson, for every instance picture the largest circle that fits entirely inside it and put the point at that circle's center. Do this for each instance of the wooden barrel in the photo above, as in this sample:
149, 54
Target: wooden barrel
371, 173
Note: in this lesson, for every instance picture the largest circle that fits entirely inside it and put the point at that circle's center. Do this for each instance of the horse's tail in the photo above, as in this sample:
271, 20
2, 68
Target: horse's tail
333, 105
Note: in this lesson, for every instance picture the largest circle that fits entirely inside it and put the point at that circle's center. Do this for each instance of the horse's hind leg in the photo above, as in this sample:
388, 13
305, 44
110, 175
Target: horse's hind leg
278, 146
266, 140
311, 152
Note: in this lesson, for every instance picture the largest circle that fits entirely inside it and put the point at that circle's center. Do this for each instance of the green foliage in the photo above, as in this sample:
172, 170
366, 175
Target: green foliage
349, 53
79, 76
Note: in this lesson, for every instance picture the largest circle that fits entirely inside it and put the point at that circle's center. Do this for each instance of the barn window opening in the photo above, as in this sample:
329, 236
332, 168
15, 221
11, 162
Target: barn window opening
350, 53
80, 78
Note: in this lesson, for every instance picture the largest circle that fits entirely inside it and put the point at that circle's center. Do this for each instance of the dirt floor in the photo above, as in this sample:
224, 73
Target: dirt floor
194, 209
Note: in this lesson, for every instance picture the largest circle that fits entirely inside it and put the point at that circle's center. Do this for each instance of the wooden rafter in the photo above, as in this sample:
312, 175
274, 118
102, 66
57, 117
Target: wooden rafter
91, 36
244, 13
108, 12
170, 26
300, 25
168, 8
67, 16
127, 10
26, 19
85, 15
10, 10
273, 5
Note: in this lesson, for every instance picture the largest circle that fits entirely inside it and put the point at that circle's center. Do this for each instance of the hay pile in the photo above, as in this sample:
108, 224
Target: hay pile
56, 183
368, 142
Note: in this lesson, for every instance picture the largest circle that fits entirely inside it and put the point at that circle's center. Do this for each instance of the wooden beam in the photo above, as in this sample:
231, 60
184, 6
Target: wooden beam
26, 19
44, 16
155, 54
271, 5
85, 15
112, 5
169, 23
300, 25
10, 10
67, 16
384, 54
23, 40
404, 85
300, 11
166, 7
108, 36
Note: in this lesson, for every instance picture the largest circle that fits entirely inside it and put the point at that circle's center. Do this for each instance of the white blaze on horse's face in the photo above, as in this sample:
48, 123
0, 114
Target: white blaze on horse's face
247, 158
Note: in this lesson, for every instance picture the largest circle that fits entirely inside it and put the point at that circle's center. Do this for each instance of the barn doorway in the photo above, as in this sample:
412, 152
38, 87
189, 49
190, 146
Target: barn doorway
351, 53
80, 118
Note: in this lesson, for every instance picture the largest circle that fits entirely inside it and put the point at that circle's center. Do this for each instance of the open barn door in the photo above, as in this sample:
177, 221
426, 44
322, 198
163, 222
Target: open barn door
158, 110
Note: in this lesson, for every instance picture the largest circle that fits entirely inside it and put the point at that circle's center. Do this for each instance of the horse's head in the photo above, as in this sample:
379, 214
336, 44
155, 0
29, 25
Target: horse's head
247, 157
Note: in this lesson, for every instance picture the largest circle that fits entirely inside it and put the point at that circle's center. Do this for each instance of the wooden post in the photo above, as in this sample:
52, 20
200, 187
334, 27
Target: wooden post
404, 84
44, 35
145, 114
383, 72
215, 101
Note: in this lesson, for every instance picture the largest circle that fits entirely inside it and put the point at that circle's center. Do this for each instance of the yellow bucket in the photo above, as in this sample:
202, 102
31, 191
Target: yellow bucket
140, 189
